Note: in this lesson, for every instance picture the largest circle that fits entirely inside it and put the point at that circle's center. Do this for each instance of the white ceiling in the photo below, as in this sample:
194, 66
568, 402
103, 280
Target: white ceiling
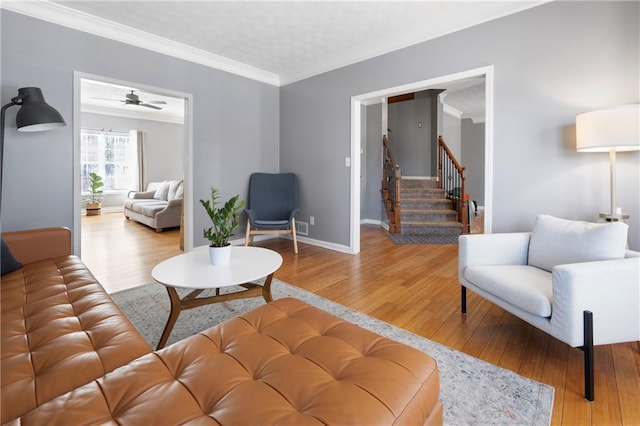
277, 42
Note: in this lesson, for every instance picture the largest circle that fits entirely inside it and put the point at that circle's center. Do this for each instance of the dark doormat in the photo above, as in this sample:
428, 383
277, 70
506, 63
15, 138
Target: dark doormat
423, 239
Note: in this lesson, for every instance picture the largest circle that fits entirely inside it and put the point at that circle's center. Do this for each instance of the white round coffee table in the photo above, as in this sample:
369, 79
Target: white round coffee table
193, 270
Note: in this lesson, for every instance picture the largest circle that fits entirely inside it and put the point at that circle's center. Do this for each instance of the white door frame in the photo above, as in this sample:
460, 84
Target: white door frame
357, 101
188, 153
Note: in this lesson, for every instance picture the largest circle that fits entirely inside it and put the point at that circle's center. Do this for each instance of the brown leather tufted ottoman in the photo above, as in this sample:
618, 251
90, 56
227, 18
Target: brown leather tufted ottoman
285, 362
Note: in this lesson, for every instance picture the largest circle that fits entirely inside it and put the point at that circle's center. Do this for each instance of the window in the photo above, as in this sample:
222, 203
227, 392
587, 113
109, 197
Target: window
112, 155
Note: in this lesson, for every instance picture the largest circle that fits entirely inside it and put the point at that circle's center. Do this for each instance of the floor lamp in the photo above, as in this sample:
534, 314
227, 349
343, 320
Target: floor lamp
610, 130
35, 115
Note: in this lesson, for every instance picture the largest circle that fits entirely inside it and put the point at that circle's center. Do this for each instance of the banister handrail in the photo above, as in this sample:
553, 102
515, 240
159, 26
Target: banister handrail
455, 182
441, 143
388, 151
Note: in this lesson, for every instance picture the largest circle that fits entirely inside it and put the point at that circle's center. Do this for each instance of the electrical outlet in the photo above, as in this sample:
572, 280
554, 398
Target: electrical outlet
312, 220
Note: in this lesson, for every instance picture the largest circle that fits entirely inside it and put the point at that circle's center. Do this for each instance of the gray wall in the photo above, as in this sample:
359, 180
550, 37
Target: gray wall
236, 120
410, 138
452, 134
473, 158
372, 201
550, 63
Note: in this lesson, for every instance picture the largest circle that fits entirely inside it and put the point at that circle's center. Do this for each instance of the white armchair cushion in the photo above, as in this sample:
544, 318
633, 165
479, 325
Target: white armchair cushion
526, 287
557, 241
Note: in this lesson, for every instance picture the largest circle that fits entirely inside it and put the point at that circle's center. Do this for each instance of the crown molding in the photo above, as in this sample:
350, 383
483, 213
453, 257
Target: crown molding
71, 18
448, 109
359, 54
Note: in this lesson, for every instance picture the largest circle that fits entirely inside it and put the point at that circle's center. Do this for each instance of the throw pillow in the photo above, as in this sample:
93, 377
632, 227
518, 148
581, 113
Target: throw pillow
557, 241
8, 262
163, 191
174, 187
180, 191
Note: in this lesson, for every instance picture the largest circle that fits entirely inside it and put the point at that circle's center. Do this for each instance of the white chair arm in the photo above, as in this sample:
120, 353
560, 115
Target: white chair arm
610, 289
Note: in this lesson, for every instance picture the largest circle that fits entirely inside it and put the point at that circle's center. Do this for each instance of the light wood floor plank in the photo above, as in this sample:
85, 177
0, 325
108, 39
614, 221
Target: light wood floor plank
411, 286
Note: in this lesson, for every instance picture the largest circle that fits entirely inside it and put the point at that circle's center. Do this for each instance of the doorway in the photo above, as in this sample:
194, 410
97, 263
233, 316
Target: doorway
381, 96
154, 100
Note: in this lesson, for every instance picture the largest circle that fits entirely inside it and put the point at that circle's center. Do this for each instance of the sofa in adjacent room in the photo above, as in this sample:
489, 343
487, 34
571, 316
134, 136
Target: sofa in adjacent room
70, 356
159, 207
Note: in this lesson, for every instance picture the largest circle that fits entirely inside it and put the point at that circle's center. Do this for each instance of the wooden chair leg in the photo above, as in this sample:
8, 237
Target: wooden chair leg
293, 233
246, 237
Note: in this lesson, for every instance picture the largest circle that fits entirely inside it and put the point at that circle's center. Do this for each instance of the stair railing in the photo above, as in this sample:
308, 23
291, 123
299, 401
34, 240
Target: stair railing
451, 178
391, 176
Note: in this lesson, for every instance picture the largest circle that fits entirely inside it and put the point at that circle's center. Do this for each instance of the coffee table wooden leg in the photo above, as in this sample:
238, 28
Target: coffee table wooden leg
176, 307
266, 288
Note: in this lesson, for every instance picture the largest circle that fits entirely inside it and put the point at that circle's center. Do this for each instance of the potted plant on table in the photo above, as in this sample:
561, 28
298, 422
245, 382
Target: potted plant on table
224, 221
94, 200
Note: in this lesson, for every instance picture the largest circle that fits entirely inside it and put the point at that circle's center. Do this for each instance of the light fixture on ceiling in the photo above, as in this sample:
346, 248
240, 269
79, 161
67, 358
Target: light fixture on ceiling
35, 115
610, 130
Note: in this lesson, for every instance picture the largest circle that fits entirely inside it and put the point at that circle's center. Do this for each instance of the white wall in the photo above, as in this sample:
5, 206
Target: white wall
164, 148
164, 143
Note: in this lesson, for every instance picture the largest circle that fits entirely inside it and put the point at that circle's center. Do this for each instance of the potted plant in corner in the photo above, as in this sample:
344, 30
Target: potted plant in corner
225, 221
94, 200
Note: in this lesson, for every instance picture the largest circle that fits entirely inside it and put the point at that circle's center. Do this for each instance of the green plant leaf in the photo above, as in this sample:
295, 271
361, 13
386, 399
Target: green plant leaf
224, 219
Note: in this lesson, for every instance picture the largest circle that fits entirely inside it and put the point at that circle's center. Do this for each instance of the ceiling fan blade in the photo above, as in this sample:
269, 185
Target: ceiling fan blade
157, 102
104, 99
149, 106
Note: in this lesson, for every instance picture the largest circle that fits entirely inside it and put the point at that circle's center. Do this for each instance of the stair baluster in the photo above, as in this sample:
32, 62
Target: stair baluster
391, 176
451, 178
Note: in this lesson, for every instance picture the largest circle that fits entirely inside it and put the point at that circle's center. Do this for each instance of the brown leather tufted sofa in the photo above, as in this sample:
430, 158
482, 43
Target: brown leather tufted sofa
285, 362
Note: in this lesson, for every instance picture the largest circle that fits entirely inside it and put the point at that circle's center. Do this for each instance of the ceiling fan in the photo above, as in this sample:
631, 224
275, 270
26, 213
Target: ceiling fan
133, 99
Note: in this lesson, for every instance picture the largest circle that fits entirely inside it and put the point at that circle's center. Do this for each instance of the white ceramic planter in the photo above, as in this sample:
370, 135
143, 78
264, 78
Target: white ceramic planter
220, 255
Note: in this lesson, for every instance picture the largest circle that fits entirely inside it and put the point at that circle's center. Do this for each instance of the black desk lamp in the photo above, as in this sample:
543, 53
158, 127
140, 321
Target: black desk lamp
35, 115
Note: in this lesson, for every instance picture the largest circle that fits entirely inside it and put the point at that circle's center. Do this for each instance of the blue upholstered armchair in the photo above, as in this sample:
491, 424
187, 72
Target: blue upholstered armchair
272, 205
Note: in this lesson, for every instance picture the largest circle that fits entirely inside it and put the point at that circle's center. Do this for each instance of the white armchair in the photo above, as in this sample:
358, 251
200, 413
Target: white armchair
572, 280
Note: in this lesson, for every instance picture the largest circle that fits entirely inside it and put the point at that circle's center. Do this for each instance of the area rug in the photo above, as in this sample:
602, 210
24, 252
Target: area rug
423, 239
472, 391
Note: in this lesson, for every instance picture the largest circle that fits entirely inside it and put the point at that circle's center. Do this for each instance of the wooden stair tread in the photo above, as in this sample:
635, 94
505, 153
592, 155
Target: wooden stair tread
432, 224
432, 211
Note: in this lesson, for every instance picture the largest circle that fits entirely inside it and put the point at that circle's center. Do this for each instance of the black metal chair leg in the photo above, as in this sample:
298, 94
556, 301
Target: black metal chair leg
463, 299
588, 356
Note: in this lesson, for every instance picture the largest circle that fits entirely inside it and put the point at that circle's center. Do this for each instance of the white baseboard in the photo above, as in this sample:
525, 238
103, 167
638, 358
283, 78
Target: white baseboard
380, 223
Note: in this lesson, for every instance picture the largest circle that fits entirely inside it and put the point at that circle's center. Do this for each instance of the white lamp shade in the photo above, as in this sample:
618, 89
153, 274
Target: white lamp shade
615, 128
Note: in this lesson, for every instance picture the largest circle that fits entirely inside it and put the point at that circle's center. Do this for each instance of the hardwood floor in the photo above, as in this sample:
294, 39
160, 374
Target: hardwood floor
411, 286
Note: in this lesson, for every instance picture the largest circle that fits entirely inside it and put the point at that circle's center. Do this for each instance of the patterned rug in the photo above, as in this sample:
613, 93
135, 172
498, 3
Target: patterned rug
472, 391
423, 239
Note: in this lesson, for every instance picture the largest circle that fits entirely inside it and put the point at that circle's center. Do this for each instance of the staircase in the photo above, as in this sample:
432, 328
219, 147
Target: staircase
425, 210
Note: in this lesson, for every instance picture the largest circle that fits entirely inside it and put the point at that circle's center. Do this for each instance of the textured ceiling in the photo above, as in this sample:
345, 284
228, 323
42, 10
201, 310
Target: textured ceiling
273, 41
297, 39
